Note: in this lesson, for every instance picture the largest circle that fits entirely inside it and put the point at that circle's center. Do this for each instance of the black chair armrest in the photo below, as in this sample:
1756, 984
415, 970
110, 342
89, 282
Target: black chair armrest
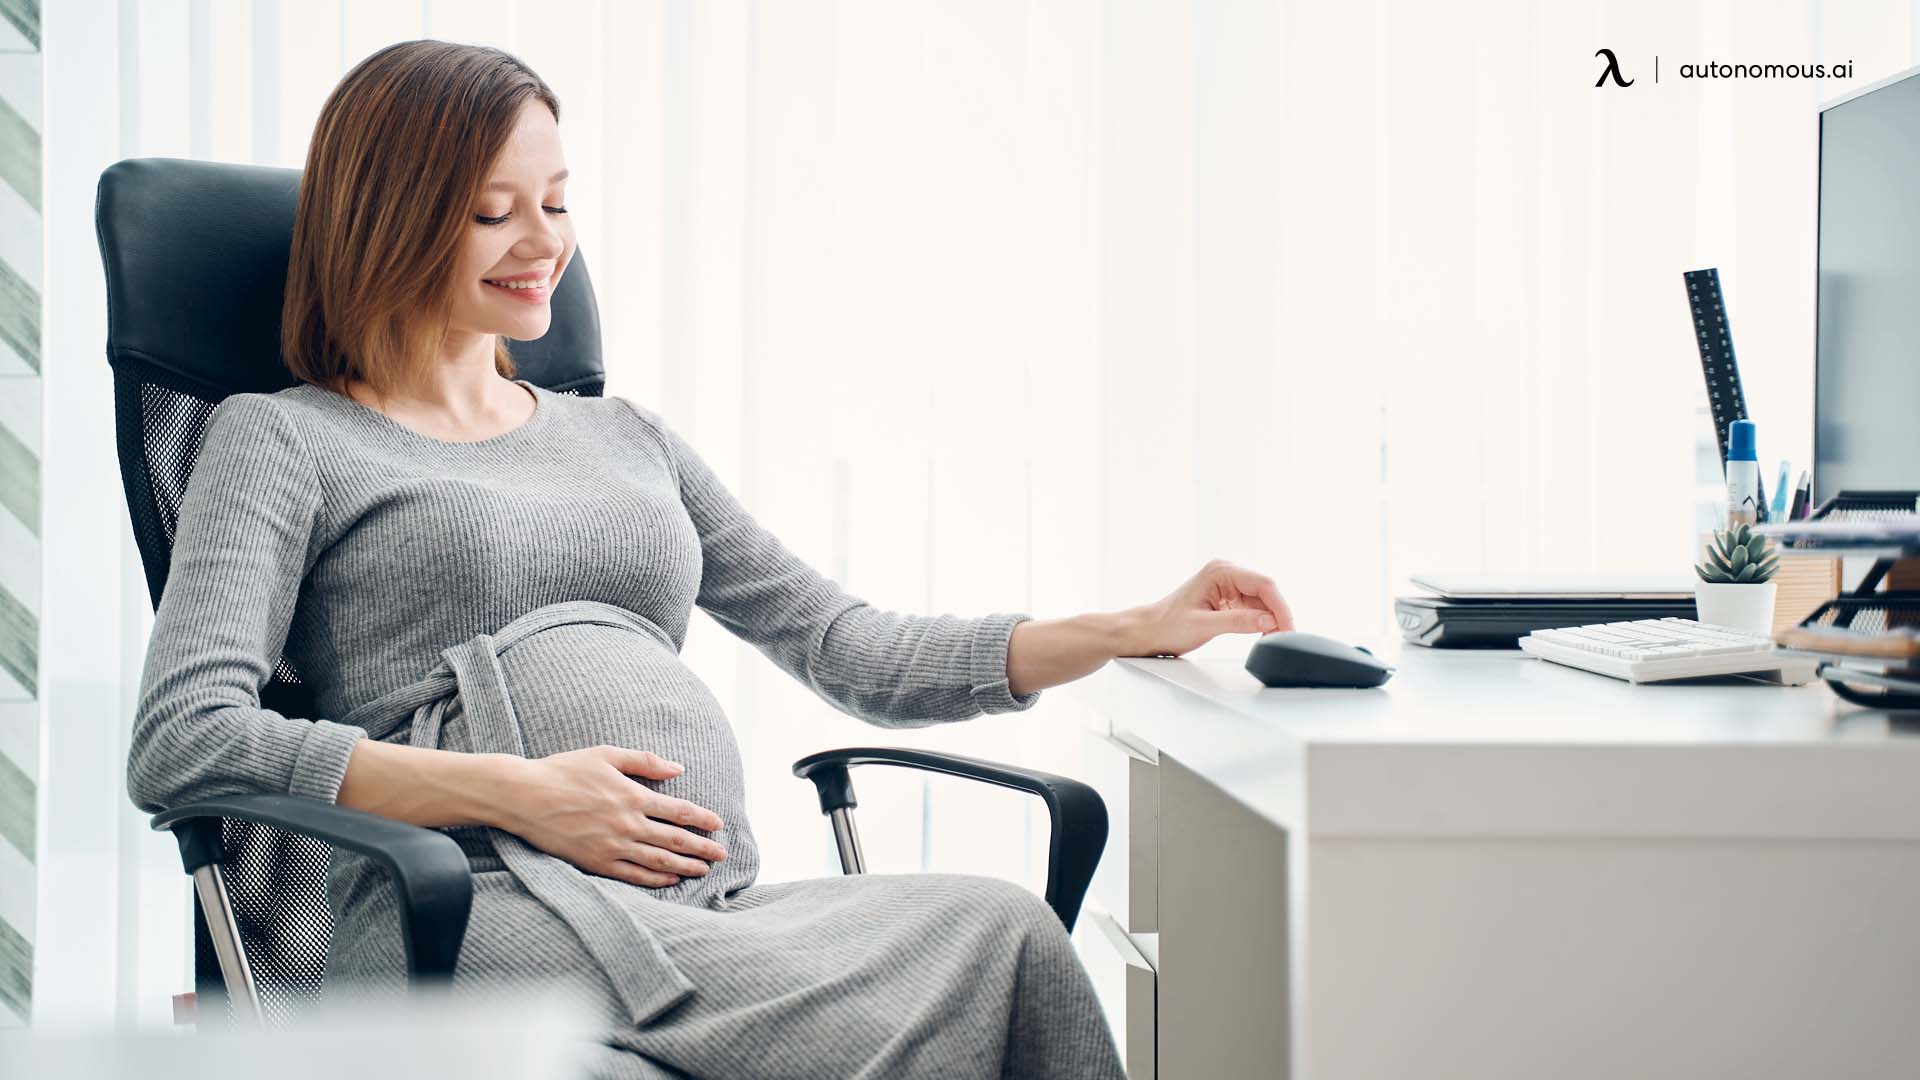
1078, 814
430, 874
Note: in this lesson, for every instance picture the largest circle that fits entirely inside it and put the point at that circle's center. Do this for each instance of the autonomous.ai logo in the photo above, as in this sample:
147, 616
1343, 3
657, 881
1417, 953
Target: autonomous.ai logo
1612, 70
1746, 68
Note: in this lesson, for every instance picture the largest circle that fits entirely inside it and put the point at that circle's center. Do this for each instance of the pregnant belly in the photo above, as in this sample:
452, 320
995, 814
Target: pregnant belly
582, 685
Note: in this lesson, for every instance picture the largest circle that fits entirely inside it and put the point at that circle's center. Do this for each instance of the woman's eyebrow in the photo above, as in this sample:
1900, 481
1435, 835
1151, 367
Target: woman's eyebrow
507, 185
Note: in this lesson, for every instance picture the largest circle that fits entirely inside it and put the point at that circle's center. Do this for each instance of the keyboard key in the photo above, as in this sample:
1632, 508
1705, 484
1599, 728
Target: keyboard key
1669, 652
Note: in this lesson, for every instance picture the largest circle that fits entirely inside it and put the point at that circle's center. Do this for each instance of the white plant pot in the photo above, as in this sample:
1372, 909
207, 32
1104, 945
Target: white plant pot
1736, 606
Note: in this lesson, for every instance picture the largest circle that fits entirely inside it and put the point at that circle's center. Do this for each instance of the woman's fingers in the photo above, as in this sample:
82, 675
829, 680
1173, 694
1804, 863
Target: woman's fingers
642, 763
656, 850
635, 874
679, 811
1236, 621
1269, 594
656, 858
1257, 586
674, 838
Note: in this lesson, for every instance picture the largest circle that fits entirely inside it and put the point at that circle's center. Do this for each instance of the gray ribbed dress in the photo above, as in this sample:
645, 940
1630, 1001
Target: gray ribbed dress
529, 593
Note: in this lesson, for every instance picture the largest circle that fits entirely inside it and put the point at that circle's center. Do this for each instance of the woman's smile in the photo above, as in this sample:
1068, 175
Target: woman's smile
532, 288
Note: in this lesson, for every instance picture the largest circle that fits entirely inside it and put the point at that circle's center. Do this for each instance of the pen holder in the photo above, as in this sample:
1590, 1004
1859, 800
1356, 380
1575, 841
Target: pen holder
1904, 576
1805, 582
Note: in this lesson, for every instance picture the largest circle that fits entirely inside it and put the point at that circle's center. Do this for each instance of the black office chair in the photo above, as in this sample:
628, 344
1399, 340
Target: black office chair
196, 263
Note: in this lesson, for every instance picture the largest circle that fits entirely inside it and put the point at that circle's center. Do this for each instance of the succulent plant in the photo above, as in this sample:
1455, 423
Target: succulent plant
1738, 556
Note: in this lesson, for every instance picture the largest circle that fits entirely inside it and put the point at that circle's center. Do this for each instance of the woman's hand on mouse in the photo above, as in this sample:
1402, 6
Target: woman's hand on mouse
583, 806
1221, 599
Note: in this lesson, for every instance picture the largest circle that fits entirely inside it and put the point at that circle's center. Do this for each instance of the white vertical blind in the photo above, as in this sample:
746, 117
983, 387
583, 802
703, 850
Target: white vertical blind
1038, 304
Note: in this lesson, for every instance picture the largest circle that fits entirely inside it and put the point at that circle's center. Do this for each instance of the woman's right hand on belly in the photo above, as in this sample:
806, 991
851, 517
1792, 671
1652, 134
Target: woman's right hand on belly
583, 806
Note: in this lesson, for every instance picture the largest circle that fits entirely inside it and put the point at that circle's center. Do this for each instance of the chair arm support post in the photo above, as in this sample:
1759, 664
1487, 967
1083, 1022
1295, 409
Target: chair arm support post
217, 909
1078, 814
847, 840
429, 872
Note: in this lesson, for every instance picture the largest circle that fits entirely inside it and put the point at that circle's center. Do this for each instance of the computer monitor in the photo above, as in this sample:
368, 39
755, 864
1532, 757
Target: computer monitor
1866, 413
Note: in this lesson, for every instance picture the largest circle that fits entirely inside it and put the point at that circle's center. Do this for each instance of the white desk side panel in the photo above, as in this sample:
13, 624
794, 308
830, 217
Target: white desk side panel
1598, 959
1223, 1002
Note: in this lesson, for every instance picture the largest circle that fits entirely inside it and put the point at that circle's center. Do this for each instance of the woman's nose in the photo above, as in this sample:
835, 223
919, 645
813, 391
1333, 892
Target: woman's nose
546, 245
546, 242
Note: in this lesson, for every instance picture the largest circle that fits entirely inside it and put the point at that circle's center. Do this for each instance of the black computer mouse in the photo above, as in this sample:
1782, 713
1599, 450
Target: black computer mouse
1292, 658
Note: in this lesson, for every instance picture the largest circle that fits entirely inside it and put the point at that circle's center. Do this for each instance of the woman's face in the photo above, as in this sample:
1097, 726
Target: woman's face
518, 231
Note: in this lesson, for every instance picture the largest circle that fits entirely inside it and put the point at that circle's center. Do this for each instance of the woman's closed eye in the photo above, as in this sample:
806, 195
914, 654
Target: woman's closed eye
502, 219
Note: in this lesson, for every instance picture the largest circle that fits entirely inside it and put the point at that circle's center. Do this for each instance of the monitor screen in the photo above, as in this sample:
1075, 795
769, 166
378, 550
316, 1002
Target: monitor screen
1867, 365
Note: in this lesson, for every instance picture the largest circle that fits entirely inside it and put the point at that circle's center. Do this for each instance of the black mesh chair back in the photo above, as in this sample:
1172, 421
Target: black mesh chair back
196, 256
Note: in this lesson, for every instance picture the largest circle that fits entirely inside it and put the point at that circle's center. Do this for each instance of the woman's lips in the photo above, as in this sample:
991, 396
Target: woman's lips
534, 295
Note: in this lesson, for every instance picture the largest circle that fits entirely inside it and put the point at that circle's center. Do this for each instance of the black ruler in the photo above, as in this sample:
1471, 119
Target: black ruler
1715, 339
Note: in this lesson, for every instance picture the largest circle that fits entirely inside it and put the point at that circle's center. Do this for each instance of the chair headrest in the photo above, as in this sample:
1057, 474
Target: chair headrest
196, 262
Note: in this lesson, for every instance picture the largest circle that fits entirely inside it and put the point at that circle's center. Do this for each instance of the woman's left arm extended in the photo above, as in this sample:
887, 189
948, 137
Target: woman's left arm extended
899, 669
889, 668
1221, 599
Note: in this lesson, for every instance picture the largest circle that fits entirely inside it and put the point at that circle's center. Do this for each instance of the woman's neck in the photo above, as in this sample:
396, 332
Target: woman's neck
455, 406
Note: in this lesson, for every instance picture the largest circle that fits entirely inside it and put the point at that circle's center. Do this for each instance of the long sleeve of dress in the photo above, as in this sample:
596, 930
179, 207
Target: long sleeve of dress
887, 668
239, 554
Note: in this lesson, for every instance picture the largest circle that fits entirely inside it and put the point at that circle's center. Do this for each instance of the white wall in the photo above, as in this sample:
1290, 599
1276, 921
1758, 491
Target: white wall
1027, 305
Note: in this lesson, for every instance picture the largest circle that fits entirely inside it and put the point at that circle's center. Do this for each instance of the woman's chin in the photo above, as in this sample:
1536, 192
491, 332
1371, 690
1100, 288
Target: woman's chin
525, 329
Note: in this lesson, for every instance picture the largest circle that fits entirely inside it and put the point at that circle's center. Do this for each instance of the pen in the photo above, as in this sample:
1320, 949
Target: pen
1779, 511
1802, 495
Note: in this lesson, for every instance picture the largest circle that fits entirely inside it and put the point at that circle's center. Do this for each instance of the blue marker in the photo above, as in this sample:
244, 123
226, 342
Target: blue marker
1744, 504
1779, 511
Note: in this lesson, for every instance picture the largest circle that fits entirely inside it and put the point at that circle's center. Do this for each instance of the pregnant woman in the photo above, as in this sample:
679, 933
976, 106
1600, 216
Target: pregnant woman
486, 585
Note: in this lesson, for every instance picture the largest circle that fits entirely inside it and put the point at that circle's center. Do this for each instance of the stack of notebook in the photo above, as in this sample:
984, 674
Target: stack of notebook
1497, 610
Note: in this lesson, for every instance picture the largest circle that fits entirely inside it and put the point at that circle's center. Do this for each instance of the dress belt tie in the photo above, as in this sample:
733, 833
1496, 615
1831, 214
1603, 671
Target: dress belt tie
646, 979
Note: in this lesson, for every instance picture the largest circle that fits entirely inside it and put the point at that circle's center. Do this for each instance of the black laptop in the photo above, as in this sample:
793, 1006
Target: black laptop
1497, 610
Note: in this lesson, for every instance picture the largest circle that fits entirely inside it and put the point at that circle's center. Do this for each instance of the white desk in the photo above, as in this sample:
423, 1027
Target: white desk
1498, 867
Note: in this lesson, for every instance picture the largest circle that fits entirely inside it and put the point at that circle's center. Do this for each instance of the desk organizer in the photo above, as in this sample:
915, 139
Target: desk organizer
1869, 637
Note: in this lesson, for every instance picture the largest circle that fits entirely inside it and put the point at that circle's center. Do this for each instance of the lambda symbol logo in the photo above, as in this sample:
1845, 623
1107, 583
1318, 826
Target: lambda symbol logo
1612, 69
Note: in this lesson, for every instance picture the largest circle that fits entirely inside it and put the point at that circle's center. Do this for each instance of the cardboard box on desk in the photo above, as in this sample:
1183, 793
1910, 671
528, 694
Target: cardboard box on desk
1801, 583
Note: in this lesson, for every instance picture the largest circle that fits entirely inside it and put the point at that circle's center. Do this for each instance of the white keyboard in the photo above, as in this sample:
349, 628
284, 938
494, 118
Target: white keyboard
1653, 650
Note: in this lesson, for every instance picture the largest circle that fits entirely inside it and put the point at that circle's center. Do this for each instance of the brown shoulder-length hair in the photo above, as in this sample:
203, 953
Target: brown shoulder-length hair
398, 156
